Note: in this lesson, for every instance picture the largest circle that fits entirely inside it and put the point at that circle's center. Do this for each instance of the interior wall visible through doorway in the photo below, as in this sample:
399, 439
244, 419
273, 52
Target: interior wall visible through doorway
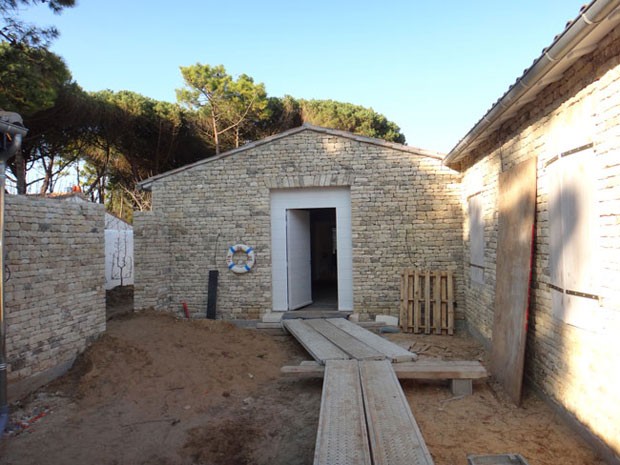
324, 253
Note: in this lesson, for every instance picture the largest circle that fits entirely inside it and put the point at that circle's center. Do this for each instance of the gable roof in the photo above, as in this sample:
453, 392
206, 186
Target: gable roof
146, 184
579, 38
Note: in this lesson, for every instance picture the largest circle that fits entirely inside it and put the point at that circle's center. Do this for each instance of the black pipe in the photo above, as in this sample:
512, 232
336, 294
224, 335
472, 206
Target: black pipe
212, 294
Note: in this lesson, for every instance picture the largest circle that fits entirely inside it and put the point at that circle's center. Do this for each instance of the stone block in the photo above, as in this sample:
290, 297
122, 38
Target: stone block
461, 387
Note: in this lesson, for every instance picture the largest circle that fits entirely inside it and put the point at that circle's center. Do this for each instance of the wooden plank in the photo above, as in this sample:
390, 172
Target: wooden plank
476, 238
444, 301
392, 351
579, 217
348, 344
427, 303
517, 211
575, 230
440, 369
393, 433
450, 285
341, 437
409, 295
412, 304
303, 371
421, 370
437, 313
274, 325
416, 302
312, 314
317, 345
404, 321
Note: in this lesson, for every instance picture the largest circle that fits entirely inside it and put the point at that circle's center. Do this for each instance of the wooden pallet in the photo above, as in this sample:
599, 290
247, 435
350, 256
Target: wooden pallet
427, 301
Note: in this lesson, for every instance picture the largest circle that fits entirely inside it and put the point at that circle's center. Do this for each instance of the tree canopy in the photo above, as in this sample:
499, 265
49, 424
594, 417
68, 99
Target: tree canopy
225, 106
234, 111
113, 140
30, 78
15, 31
349, 117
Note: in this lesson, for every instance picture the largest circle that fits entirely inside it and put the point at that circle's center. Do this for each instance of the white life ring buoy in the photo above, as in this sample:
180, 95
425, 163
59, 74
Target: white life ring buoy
249, 262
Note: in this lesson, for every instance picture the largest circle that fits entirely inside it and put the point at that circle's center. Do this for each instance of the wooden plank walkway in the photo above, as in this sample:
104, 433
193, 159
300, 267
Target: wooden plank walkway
341, 437
392, 351
317, 345
394, 435
365, 418
347, 343
339, 339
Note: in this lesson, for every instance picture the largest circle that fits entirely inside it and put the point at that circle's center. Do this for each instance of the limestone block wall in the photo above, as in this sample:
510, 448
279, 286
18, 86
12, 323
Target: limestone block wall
54, 290
405, 213
152, 261
574, 364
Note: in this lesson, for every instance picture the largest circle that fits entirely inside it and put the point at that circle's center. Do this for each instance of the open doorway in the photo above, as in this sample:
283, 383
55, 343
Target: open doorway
324, 258
312, 267
312, 260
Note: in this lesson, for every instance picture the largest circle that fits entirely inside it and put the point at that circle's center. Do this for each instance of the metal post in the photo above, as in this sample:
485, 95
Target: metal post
12, 131
4, 402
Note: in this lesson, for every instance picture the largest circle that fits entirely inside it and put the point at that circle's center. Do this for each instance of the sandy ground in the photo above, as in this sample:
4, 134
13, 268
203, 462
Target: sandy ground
159, 390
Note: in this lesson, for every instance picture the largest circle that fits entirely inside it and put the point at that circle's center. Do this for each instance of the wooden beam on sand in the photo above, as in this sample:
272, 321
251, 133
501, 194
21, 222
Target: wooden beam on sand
426, 369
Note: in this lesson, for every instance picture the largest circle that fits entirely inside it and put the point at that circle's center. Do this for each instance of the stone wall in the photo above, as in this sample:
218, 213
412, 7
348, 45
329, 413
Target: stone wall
405, 213
573, 364
54, 296
152, 261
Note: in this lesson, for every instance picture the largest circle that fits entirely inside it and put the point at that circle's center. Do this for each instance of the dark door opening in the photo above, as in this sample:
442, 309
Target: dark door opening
323, 250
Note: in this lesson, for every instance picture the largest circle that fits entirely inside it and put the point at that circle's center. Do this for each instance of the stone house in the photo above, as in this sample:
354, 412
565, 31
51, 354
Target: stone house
391, 207
562, 115
333, 217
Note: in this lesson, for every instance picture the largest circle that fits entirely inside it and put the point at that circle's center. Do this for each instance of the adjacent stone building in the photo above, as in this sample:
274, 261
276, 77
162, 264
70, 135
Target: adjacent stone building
357, 210
565, 113
54, 296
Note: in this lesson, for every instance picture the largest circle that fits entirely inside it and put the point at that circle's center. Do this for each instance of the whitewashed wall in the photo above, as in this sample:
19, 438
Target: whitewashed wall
119, 263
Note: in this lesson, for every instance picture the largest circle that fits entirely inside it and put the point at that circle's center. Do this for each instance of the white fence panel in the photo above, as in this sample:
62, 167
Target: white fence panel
118, 258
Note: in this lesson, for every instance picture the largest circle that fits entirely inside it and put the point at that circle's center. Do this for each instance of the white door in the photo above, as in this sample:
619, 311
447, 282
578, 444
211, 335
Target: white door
298, 258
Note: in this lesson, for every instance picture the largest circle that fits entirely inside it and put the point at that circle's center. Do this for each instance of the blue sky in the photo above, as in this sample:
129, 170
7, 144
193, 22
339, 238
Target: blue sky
432, 67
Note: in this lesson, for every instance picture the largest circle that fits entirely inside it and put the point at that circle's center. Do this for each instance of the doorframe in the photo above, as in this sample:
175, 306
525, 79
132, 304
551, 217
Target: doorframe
338, 198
